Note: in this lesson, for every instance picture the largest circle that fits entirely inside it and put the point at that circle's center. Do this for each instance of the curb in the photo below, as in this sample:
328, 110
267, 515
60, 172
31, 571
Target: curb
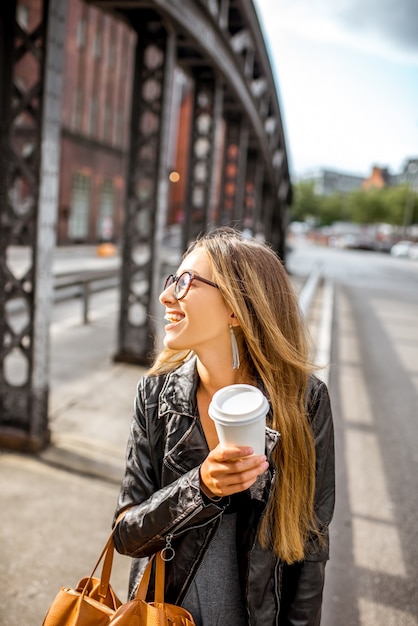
324, 339
84, 458
324, 335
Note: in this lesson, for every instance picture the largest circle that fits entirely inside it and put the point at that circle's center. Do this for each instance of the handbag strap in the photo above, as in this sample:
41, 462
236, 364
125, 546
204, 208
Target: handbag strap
141, 592
107, 554
159, 578
107, 568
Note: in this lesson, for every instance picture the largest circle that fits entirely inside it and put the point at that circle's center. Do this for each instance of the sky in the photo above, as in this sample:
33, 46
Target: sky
347, 78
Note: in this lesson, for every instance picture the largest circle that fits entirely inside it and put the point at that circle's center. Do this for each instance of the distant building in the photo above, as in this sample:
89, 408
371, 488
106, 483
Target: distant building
95, 125
409, 174
378, 179
327, 182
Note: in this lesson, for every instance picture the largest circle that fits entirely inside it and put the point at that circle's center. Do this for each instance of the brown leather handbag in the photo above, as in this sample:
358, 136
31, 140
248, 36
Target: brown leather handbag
94, 603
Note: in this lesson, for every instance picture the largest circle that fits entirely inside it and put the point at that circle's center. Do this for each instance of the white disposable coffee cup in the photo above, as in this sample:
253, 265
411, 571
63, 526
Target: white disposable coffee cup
239, 413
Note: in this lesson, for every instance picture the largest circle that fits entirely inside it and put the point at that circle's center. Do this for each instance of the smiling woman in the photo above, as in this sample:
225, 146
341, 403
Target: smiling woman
192, 300
251, 527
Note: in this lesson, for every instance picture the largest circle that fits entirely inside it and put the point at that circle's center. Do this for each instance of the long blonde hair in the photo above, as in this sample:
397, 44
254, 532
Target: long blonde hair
275, 350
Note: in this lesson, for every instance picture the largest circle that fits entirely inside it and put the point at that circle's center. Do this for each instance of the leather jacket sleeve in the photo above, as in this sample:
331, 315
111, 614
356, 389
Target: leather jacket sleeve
302, 583
155, 510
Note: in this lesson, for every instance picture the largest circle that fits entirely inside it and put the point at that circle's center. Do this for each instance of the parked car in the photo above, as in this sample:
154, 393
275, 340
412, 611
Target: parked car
346, 241
413, 252
401, 249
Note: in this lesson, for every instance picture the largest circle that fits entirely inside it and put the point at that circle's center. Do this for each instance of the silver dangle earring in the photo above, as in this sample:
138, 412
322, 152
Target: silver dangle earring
235, 351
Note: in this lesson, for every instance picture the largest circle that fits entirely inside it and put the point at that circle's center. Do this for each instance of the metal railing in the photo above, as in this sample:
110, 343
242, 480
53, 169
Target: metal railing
309, 288
84, 283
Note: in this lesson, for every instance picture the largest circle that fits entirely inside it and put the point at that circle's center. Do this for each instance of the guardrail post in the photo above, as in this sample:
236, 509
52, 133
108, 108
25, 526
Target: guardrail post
85, 295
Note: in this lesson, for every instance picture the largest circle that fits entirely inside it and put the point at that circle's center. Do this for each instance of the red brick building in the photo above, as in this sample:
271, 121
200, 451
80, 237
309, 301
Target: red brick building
95, 124
95, 120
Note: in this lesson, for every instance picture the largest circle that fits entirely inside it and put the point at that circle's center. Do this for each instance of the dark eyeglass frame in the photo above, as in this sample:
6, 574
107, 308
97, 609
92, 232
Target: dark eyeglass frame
173, 279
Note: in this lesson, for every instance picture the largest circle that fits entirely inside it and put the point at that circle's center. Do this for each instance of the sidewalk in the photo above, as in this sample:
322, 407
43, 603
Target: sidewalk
58, 506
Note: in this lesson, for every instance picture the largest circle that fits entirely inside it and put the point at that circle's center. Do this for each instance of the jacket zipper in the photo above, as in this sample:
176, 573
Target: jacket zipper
184, 521
277, 587
168, 553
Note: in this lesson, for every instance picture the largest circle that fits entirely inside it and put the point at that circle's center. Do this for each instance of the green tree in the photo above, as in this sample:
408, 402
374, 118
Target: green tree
391, 205
402, 204
305, 202
367, 206
332, 209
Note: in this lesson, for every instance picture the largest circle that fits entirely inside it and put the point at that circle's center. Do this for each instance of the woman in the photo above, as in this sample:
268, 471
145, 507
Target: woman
246, 536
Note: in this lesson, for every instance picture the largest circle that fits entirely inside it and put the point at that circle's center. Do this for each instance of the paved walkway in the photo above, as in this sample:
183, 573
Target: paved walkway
57, 507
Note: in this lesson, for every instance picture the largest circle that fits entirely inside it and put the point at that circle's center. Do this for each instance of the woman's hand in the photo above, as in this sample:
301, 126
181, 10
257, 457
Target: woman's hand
230, 470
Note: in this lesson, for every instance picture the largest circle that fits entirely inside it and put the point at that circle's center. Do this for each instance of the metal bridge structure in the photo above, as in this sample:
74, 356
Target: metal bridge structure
237, 174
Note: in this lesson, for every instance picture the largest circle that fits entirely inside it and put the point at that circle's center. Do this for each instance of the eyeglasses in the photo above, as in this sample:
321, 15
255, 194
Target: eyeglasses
182, 283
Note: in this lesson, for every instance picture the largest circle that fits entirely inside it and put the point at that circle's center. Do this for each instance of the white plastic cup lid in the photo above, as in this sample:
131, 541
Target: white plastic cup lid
238, 404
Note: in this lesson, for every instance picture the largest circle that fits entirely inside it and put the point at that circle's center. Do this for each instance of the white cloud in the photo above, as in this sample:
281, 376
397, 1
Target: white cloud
383, 28
397, 22
347, 72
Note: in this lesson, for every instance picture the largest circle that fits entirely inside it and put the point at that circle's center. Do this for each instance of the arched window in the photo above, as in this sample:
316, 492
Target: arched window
79, 213
106, 209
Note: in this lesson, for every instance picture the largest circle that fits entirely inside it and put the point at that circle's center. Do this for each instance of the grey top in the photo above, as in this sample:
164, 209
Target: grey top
214, 597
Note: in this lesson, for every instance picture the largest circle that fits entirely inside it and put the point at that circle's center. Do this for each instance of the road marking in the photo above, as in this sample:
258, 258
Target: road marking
323, 343
372, 613
384, 552
369, 496
401, 325
376, 543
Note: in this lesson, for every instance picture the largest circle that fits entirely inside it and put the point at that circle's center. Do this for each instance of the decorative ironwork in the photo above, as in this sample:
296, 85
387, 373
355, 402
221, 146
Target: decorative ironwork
253, 194
202, 169
219, 44
30, 146
234, 174
147, 192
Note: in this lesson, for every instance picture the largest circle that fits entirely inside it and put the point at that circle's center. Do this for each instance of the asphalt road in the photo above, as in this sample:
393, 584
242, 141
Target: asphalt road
372, 576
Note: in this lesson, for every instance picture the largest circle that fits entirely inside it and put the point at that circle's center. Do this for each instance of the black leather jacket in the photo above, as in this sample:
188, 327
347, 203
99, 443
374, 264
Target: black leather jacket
165, 449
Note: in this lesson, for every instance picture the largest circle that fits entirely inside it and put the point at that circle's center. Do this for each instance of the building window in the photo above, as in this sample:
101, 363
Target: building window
81, 32
107, 204
111, 51
78, 110
118, 136
124, 60
97, 48
79, 212
92, 128
107, 131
